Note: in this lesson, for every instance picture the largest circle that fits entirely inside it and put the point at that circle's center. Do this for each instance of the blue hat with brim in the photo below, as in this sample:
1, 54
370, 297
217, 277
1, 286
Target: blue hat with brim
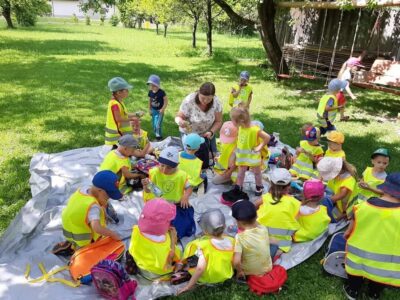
118, 83
337, 85
391, 185
245, 75
193, 141
108, 181
155, 80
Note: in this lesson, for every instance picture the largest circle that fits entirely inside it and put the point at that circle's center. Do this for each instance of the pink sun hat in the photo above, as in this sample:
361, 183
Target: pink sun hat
156, 216
228, 133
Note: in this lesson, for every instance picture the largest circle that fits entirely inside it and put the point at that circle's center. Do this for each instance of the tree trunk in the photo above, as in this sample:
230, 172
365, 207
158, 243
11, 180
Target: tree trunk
266, 13
157, 27
6, 12
196, 21
209, 28
165, 29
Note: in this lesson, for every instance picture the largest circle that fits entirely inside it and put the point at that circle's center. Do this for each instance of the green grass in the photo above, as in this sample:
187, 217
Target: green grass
53, 97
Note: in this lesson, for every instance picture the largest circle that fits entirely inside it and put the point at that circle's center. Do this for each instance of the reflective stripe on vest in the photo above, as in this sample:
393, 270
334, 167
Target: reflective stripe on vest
331, 115
113, 131
372, 181
246, 141
192, 167
303, 167
373, 271
77, 236
279, 231
374, 256
222, 162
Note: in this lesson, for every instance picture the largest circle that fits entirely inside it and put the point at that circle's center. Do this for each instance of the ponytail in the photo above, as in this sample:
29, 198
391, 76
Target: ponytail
277, 191
348, 167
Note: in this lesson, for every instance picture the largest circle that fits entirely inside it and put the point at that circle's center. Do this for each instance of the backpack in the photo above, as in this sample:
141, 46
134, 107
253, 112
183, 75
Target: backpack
270, 282
334, 260
204, 154
144, 165
112, 281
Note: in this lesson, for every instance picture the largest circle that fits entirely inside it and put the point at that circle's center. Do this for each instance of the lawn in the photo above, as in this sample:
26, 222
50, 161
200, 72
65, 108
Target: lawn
53, 97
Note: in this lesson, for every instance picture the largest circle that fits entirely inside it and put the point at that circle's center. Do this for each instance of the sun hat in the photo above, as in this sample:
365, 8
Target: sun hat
212, 221
129, 141
280, 176
313, 188
245, 75
335, 136
118, 83
354, 62
154, 79
391, 185
329, 167
228, 132
380, 151
311, 134
244, 210
169, 156
337, 85
258, 123
193, 141
156, 216
108, 181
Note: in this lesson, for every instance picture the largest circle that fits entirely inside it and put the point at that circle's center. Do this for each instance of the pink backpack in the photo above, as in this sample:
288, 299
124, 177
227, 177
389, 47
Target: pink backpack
112, 281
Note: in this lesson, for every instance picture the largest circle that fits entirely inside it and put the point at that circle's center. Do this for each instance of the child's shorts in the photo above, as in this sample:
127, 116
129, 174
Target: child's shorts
341, 99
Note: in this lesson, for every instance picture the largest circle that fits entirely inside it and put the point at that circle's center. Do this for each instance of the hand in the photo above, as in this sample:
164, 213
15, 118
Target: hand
185, 202
354, 97
299, 150
363, 185
208, 135
115, 236
346, 234
233, 90
258, 148
183, 123
162, 111
240, 274
182, 290
145, 182
340, 106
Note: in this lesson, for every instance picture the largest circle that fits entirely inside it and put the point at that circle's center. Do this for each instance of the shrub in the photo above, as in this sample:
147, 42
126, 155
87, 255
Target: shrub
75, 19
27, 11
87, 20
114, 20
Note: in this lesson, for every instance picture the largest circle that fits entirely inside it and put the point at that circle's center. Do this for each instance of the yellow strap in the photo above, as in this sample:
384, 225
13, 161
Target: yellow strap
47, 276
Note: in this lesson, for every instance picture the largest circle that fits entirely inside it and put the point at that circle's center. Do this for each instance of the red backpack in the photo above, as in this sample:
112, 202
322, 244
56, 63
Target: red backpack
270, 282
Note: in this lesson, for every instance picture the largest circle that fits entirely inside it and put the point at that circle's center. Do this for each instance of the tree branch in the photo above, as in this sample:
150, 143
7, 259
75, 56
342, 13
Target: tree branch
336, 4
235, 17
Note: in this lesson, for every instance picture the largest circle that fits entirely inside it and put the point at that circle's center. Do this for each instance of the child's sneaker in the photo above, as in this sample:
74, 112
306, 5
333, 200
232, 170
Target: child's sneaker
350, 294
234, 194
259, 190
111, 214
63, 249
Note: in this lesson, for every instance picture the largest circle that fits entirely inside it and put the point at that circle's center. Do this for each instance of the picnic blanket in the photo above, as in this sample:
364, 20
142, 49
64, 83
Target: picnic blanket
37, 227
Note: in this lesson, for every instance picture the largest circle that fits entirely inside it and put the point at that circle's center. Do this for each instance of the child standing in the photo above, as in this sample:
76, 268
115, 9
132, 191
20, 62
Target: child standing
117, 123
335, 145
248, 149
313, 217
375, 175
142, 137
278, 210
265, 153
308, 154
328, 106
158, 102
213, 252
242, 93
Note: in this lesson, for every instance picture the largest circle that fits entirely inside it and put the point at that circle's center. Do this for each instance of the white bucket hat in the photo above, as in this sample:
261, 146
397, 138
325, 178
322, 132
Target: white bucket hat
329, 167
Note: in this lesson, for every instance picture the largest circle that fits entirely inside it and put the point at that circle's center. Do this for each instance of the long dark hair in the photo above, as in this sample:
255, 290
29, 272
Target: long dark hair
277, 191
206, 89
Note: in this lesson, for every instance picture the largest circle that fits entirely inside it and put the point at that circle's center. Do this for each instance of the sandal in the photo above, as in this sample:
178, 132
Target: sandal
344, 119
179, 277
63, 248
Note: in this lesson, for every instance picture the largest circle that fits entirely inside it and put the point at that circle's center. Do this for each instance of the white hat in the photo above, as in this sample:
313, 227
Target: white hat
280, 176
329, 167
169, 156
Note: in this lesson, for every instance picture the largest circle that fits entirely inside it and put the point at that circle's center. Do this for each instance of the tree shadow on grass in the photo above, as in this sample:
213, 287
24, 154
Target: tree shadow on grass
64, 28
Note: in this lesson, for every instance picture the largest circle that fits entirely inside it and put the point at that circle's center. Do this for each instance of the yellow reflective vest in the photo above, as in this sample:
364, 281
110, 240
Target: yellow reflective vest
322, 115
303, 166
192, 167
280, 218
368, 177
76, 228
373, 248
247, 140
311, 226
142, 138
152, 256
114, 161
330, 153
345, 205
113, 129
243, 97
219, 262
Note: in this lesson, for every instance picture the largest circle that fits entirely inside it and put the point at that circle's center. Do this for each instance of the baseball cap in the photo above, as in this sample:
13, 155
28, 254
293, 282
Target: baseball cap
118, 83
156, 216
313, 188
245, 75
107, 181
169, 156
335, 136
354, 62
193, 141
258, 123
280, 176
337, 85
380, 151
244, 210
391, 185
128, 140
212, 221
154, 79
311, 134
228, 132
329, 167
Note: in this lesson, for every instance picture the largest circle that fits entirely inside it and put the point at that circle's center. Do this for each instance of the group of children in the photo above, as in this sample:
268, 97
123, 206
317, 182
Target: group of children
266, 227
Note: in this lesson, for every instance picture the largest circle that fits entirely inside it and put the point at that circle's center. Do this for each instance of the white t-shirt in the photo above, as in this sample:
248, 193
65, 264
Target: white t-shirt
307, 210
220, 244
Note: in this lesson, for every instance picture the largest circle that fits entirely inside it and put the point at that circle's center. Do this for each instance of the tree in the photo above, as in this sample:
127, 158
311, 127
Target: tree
5, 6
194, 10
25, 11
208, 13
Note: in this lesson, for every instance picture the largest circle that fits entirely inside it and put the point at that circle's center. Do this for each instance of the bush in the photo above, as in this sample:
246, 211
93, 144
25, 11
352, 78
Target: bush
114, 20
75, 19
87, 20
102, 19
27, 11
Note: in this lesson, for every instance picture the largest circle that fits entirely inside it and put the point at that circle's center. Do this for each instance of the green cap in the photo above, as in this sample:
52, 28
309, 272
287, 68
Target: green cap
381, 151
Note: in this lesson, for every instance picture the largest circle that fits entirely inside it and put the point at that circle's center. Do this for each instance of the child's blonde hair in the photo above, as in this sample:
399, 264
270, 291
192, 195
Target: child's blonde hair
240, 116
348, 167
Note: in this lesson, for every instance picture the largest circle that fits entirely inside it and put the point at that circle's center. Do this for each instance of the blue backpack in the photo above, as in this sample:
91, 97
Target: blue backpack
334, 260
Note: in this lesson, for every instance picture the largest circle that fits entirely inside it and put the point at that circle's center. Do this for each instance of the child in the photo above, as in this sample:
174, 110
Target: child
153, 242
373, 244
265, 153
328, 106
313, 218
189, 163
373, 176
142, 137
248, 149
335, 145
117, 123
225, 166
308, 154
83, 219
174, 187
252, 245
242, 93
278, 210
158, 102
212, 254
341, 180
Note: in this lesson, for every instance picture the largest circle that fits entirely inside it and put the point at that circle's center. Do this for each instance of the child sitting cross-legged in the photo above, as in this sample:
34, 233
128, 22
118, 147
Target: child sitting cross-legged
335, 145
142, 137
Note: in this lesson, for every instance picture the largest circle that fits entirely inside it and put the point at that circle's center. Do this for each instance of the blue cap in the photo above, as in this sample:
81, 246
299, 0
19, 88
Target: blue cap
337, 85
391, 185
245, 75
258, 123
311, 134
193, 141
154, 79
118, 83
108, 181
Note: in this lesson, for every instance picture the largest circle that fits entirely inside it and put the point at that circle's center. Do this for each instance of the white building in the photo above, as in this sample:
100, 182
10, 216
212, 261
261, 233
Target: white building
66, 8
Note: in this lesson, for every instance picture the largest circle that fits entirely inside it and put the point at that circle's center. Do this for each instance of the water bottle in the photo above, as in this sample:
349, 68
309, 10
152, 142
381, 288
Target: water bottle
155, 189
